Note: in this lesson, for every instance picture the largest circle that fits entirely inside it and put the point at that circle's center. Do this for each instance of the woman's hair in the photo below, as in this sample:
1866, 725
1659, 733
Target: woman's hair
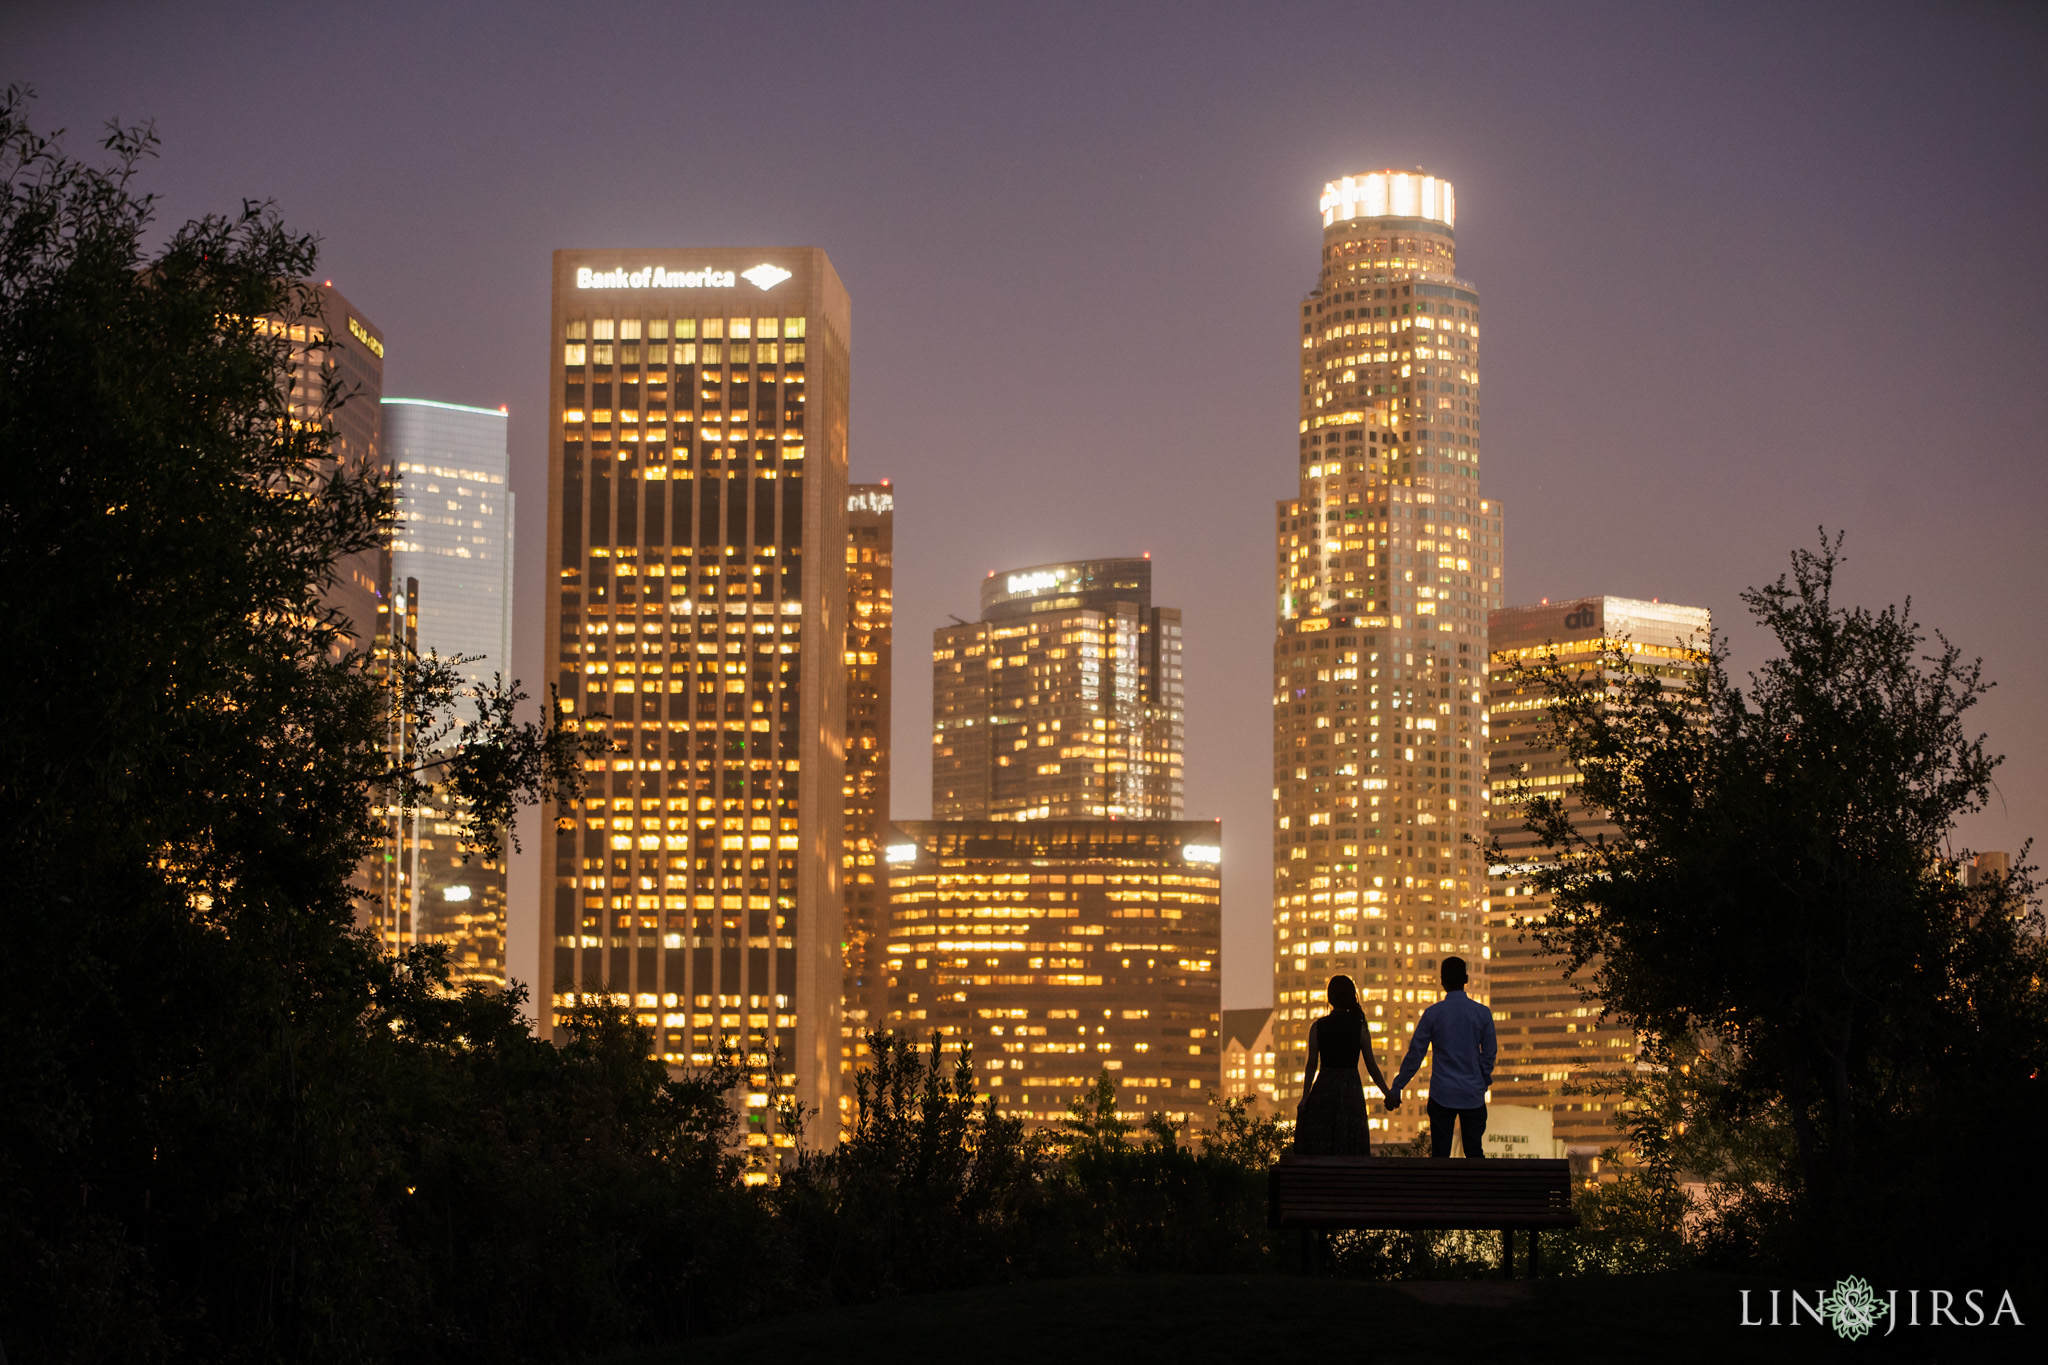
1344, 997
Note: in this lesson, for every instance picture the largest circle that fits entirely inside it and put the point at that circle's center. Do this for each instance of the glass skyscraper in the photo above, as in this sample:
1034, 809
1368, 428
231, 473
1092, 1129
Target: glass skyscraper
697, 536
1063, 702
451, 574
1387, 561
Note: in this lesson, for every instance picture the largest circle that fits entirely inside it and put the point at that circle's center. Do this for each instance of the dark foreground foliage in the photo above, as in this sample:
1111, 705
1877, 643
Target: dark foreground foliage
928, 1191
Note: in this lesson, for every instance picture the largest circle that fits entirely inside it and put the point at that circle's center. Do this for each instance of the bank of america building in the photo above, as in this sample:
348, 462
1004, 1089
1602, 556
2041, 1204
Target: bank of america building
697, 529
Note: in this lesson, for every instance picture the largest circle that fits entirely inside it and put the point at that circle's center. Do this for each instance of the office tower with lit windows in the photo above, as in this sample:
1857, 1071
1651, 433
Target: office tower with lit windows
1388, 559
1058, 949
870, 550
1063, 701
340, 345
697, 533
451, 575
345, 341
1549, 1034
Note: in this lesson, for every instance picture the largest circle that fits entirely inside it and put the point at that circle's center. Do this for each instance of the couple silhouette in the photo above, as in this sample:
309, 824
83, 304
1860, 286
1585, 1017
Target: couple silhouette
1331, 1118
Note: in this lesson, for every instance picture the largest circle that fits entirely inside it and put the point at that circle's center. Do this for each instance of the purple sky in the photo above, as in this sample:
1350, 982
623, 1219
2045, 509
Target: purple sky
1748, 270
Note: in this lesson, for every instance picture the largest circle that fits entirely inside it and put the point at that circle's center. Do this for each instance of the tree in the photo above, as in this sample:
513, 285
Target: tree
1782, 889
189, 1148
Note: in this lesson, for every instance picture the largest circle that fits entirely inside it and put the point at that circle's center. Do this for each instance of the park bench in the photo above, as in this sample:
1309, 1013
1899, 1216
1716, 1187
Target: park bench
1360, 1192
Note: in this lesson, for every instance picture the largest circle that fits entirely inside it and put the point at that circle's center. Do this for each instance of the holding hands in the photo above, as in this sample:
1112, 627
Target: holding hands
1393, 1100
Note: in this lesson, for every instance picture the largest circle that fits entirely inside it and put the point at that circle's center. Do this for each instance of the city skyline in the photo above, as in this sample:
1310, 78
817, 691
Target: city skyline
1705, 334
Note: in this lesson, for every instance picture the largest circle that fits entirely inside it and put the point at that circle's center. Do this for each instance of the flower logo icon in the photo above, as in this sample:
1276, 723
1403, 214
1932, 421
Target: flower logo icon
1853, 1308
765, 277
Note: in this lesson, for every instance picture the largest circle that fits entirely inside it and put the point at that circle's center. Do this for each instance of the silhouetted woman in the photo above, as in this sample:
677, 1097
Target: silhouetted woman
1330, 1120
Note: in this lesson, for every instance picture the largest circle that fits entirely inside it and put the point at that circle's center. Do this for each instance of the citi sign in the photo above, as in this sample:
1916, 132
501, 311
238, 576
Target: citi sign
1582, 619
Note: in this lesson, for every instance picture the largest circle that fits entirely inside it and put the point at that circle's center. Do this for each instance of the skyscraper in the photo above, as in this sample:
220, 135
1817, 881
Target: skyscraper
1058, 949
1549, 1034
1063, 701
870, 578
354, 348
697, 538
1387, 561
339, 344
451, 564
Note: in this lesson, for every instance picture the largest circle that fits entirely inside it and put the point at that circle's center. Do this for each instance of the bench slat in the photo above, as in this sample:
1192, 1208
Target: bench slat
1419, 1192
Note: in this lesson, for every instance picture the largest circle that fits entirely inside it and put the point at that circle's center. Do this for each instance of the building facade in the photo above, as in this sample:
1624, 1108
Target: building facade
1063, 701
451, 576
697, 533
347, 348
1250, 1072
1550, 1036
870, 575
1058, 949
336, 363
1387, 560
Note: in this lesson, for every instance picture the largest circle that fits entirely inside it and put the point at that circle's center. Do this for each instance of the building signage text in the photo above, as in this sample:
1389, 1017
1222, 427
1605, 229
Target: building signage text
763, 277
362, 334
654, 277
1033, 582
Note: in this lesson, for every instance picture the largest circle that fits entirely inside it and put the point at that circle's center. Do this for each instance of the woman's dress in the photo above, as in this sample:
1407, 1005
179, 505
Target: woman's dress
1332, 1121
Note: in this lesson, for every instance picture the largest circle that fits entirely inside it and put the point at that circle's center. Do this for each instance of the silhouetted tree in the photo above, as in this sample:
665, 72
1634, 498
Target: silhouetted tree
1781, 906
205, 1145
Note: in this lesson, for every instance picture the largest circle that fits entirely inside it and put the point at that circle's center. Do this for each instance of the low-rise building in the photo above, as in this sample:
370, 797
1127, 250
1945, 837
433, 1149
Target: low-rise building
1057, 949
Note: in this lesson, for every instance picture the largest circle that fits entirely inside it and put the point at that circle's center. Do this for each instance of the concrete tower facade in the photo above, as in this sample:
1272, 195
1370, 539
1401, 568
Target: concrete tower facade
1387, 560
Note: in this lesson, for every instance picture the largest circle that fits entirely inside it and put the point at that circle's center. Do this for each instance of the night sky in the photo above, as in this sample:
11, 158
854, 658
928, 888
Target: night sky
1748, 271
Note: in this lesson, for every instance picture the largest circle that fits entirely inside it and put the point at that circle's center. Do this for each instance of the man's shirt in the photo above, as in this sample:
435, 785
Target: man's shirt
1462, 1030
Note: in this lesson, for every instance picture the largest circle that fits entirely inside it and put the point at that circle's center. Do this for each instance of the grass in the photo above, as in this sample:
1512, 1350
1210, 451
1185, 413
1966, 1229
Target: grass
1253, 1318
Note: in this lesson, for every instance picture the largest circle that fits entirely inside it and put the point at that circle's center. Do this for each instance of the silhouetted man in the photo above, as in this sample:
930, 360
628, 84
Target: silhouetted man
1462, 1031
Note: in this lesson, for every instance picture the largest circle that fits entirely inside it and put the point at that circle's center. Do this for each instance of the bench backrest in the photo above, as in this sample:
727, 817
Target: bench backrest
1419, 1192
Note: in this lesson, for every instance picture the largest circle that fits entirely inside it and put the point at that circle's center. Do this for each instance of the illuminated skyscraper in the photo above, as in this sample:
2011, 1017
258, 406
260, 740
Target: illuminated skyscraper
451, 573
1549, 1035
870, 575
340, 344
348, 342
1057, 949
697, 534
1387, 561
1063, 701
